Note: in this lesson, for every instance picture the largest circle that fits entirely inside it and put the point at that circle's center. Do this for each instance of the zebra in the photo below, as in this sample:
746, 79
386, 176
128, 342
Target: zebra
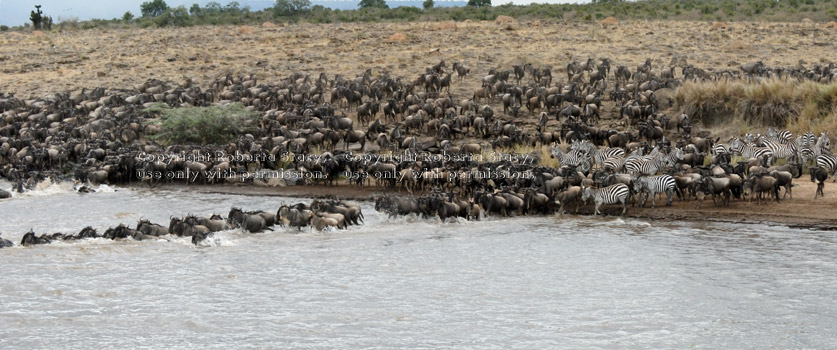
646, 166
574, 158
653, 185
806, 139
829, 163
780, 150
612, 194
614, 164
747, 151
674, 156
719, 149
606, 153
823, 145
783, 136
637, 154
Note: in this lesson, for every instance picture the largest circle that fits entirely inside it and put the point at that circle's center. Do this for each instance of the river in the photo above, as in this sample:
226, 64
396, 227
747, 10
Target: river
526, 282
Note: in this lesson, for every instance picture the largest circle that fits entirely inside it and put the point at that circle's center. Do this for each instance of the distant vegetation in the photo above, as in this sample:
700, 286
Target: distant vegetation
158, 13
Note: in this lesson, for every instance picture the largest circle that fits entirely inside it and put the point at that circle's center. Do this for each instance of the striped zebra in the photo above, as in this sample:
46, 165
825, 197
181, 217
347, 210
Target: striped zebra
829, 163
824, 143
783, 136
571, 158
675, 156
637, 154
583, 145
806, 154
651, 185
614, 164
780, 150
606, 153
612, 194
643, 166
812, 150
748, 151
719, 149
806, 139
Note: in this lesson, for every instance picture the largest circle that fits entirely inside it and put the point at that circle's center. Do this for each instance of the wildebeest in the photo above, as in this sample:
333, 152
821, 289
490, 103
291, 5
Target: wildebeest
149, 229
249, 221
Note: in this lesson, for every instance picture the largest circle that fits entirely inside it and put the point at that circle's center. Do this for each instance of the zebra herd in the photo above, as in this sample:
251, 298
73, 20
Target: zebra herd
617, 177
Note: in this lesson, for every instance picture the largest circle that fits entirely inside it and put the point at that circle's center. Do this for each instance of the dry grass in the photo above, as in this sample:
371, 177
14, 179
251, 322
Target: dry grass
800, 106
397, 37
446, 25
131, 56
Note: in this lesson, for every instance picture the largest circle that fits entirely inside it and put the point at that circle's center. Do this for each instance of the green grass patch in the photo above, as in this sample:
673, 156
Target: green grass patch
201, 125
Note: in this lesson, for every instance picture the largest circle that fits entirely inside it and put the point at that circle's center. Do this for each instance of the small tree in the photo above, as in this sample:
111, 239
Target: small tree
195, 10
36, 17
153, 8
290, 7
233, 6
428, 4
373, 3
479, 3
213, 7
128, 16
177, 17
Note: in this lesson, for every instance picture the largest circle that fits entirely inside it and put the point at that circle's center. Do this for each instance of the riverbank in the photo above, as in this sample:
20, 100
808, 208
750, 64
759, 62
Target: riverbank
800, 212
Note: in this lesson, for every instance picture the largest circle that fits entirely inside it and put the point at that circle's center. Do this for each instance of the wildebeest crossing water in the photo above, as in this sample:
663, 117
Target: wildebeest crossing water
576, 282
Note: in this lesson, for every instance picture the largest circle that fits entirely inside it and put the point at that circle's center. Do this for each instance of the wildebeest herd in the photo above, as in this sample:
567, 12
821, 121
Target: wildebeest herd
102, 136
320, 214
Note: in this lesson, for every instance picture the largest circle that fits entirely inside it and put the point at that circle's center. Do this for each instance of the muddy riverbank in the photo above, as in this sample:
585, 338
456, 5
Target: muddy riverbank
802, 211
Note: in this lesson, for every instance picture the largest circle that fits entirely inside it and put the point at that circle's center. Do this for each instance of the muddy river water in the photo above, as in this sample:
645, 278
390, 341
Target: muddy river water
527, 282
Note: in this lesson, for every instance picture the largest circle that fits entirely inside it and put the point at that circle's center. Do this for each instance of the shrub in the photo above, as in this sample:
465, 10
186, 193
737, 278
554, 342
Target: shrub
128, 16
4, 28
202, 125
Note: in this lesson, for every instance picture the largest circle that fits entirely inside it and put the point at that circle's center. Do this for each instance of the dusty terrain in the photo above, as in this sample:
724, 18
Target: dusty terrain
34, 64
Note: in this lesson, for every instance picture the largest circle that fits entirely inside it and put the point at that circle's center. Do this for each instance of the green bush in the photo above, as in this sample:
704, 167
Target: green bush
202, 125
4, 28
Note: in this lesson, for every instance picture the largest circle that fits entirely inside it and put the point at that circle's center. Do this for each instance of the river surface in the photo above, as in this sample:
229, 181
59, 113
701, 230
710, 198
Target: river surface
528, 282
